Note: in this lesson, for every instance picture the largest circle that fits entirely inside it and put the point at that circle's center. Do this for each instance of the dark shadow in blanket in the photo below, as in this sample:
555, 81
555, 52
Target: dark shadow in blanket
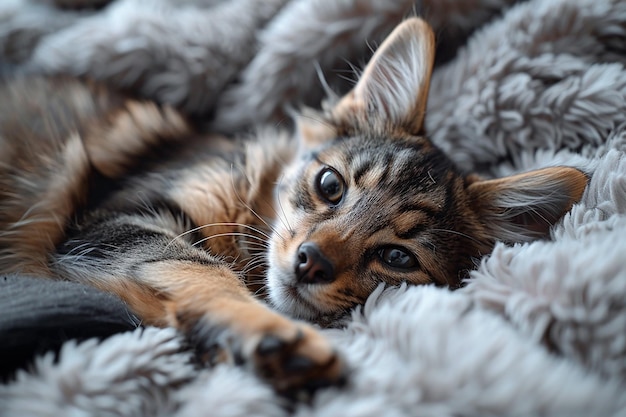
38, 315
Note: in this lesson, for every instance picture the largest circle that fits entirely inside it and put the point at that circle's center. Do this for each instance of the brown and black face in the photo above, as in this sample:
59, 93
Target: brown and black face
371, 200
366, 210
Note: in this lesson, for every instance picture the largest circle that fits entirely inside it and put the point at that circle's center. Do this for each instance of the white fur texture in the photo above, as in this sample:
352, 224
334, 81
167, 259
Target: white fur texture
540, 329
547, 75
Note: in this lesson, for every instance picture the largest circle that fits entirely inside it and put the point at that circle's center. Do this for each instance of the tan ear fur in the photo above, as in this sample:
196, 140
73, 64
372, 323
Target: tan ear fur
393, 89
523, 207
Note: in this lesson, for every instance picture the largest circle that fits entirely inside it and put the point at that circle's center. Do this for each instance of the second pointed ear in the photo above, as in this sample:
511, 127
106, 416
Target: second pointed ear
393, 89
524, 207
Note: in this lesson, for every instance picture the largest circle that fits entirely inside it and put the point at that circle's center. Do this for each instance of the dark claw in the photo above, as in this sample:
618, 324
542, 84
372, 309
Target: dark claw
298, 364
317, 383
269, 345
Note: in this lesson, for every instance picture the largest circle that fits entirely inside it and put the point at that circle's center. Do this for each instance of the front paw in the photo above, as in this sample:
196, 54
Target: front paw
293, 357
297, 360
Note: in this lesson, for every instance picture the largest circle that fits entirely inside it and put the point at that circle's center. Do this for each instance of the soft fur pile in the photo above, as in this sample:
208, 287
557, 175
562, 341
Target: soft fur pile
540, 329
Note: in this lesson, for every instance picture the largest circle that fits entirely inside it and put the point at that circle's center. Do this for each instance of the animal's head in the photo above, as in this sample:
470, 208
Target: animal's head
370, 199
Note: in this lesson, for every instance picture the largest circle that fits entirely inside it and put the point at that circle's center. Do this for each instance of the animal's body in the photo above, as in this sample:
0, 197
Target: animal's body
127, 197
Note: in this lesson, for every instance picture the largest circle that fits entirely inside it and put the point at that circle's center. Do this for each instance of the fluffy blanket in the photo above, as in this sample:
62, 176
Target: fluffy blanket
540, 328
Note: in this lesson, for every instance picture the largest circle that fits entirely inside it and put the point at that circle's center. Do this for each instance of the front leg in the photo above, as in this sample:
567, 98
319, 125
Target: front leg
226, 324
168, 281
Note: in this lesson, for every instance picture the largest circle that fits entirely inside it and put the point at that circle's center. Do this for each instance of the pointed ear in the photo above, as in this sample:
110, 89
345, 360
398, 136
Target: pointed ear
523, 207
393, 89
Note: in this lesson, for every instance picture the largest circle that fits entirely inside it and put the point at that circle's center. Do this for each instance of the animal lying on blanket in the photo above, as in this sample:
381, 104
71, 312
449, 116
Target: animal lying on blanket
183, 226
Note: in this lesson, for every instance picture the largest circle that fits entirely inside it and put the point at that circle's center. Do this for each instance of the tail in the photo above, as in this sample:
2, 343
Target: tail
38, 315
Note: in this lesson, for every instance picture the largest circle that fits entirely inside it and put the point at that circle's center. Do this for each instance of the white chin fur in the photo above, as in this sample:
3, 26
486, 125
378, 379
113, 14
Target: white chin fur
285, 302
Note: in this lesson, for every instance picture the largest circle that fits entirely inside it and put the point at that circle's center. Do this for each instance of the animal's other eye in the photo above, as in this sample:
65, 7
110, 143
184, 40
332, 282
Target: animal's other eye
330, 185
397, 257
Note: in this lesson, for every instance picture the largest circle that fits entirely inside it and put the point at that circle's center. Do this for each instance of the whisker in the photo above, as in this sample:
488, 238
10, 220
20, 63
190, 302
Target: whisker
74, 249
254, 246
248, 271
224, 234
256, 279
75, 258
258, 257
195, 229
282, 209
80, 251
261, 289
257, 260
257, 242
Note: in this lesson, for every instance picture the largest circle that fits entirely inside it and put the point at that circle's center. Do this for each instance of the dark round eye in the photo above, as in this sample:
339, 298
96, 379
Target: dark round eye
330, 185
397, 257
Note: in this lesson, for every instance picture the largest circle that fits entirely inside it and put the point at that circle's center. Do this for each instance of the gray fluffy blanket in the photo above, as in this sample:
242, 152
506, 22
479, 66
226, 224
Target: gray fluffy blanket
540, 329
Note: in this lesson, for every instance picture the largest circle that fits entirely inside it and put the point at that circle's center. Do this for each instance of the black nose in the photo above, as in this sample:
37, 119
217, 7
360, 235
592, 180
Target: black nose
312, 267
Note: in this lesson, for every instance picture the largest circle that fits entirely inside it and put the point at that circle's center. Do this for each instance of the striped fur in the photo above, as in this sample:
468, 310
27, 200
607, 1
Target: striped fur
127, 197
